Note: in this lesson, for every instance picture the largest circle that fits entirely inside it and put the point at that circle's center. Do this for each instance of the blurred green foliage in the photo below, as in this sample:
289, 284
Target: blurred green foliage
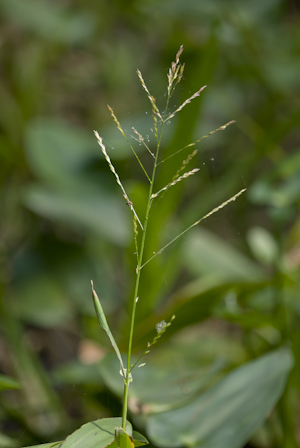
233, 283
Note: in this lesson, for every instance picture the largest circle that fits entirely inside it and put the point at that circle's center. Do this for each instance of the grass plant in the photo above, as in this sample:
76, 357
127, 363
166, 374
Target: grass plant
160, 119
117, 432
232, 281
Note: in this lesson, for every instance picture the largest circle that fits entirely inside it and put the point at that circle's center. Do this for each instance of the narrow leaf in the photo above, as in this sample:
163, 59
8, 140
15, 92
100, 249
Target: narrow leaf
103, 323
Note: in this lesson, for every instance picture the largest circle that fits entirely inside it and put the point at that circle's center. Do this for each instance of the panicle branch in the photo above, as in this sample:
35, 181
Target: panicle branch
216, 209
112, 168
186, 102
184, 176
142, 140
135, 233
184, 163
155, 110
221, 128
160, 329
151, 98
124, 135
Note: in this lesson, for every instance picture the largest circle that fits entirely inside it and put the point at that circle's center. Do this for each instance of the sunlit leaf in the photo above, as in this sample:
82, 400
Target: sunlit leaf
122, 440
229, 413
205, 253
40, 300
263, 245
54, 149
95, 210
96, 434
163, 383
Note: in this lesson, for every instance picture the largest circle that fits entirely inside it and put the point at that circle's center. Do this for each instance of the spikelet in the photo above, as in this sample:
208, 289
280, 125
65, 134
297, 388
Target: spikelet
116, 121
175, 72
184, 164
216, 209
155, 110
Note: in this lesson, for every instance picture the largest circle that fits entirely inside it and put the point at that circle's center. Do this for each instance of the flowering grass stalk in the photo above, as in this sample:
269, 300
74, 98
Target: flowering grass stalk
159, 120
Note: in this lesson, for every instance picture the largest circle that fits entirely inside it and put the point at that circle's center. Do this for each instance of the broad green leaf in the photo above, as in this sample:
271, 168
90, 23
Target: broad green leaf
55, 150
229, 413
205, 253
92, 209
53, 309
103, 323
46, 445
176, 371
8, 383
193, 303
76, 372
96, 434
280, 186
138, 439
160, 388
263, 245
122, 440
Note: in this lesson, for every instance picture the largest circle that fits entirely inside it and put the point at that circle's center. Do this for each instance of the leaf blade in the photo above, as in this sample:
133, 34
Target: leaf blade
103, 323
230, 412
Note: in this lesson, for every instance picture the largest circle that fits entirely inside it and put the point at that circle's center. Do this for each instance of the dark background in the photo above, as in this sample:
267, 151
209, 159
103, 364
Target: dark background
64, 221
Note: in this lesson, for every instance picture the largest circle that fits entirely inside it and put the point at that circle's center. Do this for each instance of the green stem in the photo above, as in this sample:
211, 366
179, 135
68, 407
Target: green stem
138, 274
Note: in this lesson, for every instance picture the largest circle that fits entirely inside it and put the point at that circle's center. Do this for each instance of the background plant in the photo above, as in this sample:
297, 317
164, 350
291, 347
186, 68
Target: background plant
55, 83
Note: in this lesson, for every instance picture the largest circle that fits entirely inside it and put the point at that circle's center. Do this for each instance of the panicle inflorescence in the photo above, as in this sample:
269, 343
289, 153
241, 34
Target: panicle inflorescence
160, 328
174, 76
116, 121
175, 72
